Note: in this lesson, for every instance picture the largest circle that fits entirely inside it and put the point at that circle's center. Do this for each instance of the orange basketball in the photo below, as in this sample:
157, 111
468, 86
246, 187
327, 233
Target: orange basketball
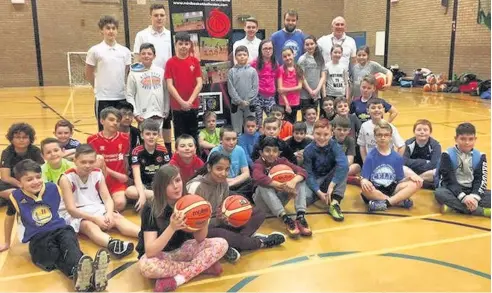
380, 80
236, 210
431, 79
435, 87
281, 173
197, 211
427, 88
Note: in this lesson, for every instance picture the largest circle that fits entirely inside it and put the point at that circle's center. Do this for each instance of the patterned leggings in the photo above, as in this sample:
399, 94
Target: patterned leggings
260, 104
191, 259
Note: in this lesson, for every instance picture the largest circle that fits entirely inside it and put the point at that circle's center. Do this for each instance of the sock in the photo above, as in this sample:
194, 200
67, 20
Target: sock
387, 203
486, 212
334, 202
180, 280
285, 218
300, 214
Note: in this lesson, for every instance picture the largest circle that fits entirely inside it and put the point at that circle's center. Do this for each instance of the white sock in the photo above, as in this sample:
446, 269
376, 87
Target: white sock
180, 279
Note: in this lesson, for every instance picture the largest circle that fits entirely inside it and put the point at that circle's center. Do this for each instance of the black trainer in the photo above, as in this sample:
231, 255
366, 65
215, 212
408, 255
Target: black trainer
100, 278
120, 248
273, 239
83, 274
232, 255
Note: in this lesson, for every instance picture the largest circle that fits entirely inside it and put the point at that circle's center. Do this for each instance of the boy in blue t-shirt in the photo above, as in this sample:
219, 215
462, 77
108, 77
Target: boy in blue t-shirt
52, 243
239, 178
249, 138
383, 183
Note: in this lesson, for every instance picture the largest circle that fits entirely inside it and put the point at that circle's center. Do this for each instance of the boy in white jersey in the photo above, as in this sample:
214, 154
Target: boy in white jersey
89, 207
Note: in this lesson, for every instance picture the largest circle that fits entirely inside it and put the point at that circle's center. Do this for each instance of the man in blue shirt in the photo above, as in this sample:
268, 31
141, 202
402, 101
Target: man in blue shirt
289, 37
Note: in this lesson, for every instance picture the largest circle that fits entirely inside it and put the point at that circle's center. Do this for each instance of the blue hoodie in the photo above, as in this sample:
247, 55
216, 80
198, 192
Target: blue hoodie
320, 161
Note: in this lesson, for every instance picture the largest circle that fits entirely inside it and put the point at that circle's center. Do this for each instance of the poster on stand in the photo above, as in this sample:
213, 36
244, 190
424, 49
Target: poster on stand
209, 23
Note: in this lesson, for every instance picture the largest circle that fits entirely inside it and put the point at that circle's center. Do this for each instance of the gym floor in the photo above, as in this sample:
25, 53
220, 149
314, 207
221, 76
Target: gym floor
398, 250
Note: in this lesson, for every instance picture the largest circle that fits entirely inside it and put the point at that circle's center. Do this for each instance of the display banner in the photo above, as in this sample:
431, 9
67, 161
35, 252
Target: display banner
209, 23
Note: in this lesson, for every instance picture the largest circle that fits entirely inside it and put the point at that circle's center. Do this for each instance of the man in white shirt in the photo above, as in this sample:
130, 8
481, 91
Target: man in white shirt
157, 35
250, 41
107, 65
339, 37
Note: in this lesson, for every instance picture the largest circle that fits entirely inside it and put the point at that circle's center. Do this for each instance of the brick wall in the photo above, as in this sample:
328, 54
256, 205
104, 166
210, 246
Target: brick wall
18, 56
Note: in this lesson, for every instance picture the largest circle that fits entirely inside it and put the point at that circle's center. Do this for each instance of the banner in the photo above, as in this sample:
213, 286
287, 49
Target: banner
209, 23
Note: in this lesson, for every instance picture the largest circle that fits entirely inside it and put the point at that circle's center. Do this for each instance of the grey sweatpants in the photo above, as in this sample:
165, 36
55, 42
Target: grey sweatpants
239, 117
445, 196
273, 202
324, 182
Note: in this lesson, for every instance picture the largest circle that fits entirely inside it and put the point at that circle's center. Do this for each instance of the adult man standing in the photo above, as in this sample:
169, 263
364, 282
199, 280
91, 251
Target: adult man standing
250, 41
289, 37
338, 37
160, 37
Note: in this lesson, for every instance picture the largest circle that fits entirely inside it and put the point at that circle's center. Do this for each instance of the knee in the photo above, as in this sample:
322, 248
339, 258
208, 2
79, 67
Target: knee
119, 203
440, 194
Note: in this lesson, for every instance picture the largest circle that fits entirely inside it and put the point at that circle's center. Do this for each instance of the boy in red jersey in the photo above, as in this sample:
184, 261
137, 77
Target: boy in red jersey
114, 147
184, 82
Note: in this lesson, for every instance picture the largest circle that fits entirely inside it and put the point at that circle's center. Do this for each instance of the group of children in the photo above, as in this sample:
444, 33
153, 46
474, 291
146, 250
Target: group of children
65, 188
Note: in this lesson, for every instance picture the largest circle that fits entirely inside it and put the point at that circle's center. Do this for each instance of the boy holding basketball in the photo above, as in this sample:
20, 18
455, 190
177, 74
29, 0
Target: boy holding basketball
383, 181
184, 82
271, 196
113, 146
52, 243
462, 176
88, 206
146, 160
107, 65
326, 163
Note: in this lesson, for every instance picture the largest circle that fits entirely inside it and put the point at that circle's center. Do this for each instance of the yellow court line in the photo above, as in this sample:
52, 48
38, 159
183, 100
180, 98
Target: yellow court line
336, 258
402, 219
13, 237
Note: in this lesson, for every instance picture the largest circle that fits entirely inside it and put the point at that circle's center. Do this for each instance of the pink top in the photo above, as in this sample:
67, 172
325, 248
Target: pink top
289, 80
266, 79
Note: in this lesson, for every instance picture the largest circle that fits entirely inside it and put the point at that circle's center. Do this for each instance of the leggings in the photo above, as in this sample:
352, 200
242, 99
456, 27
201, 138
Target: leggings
190, 260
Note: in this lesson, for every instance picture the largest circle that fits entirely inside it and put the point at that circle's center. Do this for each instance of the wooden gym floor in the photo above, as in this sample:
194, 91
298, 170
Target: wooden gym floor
398, 250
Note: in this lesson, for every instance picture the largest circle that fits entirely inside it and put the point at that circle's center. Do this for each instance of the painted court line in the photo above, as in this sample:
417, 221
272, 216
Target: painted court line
361, 225
337, 258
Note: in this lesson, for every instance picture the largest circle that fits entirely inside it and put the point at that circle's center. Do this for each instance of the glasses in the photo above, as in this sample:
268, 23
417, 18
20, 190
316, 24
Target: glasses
266, 49
381, 135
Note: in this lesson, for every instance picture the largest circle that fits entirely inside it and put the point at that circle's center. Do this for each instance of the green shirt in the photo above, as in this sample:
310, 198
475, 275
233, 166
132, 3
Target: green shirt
52, 175
213, 138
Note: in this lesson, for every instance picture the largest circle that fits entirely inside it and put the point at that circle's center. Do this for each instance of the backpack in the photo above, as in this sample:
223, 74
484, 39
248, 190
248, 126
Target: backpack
453, 155
483, 87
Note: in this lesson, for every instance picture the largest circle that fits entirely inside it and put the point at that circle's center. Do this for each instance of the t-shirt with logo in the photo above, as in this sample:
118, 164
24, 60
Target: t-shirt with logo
359, 108
184, 73
282, 39
149, 162
383, 170
114, 149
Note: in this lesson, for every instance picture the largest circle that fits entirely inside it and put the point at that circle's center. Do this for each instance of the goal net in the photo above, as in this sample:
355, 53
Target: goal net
76, 69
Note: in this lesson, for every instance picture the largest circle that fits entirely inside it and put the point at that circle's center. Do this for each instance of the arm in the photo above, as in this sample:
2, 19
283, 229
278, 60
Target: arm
167, 102
203, 143
197, 90
241, 178
448, 176
308, 166
436, 155
480, 174
363, 152
293, 89
137, 178
106, 197
254, 85
131, 93
7, 226
321, 82
89, 74
281, 91
174, 92
5, 175
393, 112
153, 244
235, 98
342, 166
200, 235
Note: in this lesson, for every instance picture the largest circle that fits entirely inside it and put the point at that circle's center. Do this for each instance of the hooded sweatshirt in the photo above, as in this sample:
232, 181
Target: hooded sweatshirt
146, 91
422, 158
211, 191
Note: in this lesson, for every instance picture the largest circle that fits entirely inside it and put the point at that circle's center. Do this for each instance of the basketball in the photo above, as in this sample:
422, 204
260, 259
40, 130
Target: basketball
435, 88
236, 210
281, 173
427, 88
431, 79
197, 211
380, 80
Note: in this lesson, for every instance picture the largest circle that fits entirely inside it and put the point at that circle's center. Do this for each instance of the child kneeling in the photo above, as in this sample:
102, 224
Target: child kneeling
382, 182
165, 251
272, 196
52, 243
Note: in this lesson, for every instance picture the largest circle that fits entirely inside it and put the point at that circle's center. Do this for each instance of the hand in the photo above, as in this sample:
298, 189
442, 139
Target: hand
290, 186
417, 179
329, 193
288, 109
322, 196
281, 91
140, 203
177, 221
4, 247
101, 222
123, 178
165, 115
279, 186
385, 86
471, 203
109, 219
139, 118
185, 106
244, 104
366, 185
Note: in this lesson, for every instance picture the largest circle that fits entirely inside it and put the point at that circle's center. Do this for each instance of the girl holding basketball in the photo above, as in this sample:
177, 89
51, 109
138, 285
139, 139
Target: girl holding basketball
165, 251
366, 67
210, 183
313, 65
337, 82
267, 68
290, 78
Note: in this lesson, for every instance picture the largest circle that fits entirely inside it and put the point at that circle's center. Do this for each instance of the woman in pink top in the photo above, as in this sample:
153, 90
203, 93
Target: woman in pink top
290, 78
267, 68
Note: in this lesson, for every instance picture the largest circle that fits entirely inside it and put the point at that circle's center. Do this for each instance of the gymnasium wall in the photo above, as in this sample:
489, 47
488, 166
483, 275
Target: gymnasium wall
419, 35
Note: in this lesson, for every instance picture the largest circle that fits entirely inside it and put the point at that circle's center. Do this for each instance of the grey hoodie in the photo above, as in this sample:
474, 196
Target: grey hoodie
213, 192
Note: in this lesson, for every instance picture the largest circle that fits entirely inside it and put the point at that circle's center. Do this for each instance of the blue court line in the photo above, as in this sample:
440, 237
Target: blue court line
241, 284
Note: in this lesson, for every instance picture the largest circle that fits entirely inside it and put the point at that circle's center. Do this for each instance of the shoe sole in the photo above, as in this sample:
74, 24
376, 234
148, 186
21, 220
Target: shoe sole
84, 274
129, 250
233, 260
101, 262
